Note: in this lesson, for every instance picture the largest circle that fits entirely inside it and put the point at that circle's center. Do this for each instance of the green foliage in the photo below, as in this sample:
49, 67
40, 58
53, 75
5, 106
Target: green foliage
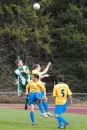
57, 30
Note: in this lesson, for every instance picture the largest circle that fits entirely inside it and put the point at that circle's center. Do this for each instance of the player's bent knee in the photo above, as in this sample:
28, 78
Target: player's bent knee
19, 93
44, 100
56, 115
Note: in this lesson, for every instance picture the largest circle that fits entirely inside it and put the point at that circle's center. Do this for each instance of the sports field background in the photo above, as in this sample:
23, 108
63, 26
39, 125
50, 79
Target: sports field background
14, 117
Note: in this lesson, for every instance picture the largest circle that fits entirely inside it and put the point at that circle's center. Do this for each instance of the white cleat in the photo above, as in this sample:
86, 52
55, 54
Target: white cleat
43, 114
49, 114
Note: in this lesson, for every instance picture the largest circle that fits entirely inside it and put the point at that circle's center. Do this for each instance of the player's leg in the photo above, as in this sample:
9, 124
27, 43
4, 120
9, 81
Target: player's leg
45, 104
20, 92
62, 120
33, 98
20, 96
21, 88
26, 99
56, 112
32, 113
59, 109
32, 101
40, 105
26, 102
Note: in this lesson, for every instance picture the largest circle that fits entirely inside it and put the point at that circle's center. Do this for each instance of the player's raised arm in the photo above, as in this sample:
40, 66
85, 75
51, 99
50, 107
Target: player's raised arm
46, 69
43, 76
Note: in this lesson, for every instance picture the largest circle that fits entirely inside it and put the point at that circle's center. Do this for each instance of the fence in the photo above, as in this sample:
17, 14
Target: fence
11, 97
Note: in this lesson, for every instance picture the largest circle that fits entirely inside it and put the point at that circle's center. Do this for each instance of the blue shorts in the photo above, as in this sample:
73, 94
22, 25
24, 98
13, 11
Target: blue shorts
59, 109
33, 97
42, 93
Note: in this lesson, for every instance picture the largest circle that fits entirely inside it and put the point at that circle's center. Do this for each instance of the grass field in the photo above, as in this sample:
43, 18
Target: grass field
18, 119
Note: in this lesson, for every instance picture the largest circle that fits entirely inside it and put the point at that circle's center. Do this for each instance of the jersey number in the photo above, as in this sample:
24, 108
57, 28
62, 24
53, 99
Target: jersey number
62, 92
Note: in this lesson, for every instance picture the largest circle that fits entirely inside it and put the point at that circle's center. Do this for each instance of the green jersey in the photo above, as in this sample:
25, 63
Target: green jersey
20, 75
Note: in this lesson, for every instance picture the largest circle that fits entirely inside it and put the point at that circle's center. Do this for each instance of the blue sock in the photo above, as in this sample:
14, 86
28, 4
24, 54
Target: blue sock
32, 117
60, 118
59, 122
40, 105
45, 104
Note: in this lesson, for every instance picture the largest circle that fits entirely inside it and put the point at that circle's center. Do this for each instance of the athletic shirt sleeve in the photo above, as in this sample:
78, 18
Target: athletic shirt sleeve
28, 85
54, 91
26, 68
68, 91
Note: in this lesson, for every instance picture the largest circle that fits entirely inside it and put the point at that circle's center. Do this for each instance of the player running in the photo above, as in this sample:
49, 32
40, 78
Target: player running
62, 93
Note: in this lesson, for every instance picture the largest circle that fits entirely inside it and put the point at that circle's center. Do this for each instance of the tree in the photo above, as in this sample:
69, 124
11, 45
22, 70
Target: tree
56, 32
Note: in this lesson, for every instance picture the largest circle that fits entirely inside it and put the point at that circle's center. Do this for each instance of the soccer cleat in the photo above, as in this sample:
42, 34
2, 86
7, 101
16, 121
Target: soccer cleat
49, 114
60, 127
43, 114
33, 123
65, 125
26, 107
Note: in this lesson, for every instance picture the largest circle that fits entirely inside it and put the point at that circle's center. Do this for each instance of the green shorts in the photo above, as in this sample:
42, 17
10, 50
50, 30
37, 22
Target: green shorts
21, 87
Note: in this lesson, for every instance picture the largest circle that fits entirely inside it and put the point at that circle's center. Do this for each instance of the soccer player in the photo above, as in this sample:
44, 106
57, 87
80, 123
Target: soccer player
22, 77
34, 87
36, 69
62, 95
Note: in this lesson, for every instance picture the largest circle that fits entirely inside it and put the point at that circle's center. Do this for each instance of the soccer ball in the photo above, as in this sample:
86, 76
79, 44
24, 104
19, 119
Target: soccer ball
36, 6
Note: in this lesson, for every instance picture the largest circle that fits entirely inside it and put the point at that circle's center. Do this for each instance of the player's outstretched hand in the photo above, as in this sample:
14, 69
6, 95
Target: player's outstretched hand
70, 102
46, 75
49, 63
45, 98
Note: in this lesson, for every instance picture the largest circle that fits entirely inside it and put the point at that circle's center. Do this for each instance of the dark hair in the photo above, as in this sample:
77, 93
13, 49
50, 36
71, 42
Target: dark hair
17, 61
36, 76
35, 66
60, 78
